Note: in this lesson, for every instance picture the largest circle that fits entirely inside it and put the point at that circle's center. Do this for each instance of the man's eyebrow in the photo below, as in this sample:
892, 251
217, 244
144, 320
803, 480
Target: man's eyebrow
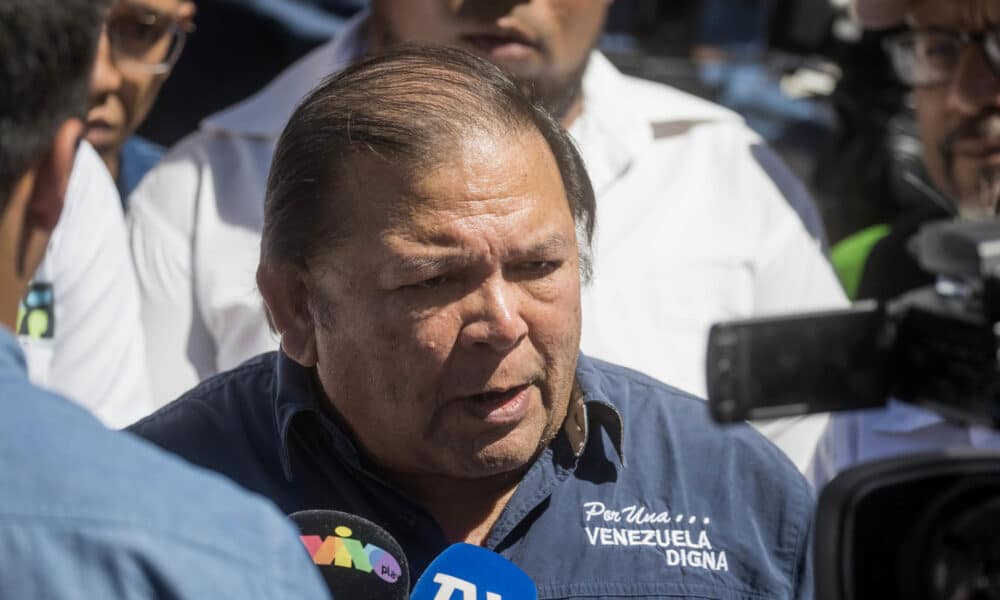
553, 243
445, 262
427, 264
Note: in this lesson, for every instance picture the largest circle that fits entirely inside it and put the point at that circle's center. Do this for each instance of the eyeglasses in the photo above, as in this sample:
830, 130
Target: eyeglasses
930, 57
144, 40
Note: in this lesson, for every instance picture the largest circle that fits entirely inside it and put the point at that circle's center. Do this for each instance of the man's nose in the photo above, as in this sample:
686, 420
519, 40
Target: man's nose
496, 322
105, 78
976, 85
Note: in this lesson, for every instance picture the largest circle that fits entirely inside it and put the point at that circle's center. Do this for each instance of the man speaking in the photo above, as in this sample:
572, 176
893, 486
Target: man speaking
86, 512
425, 233
700, 223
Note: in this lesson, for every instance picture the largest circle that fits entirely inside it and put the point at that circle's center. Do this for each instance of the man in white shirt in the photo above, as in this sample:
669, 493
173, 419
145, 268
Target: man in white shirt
697, 221
79, 324
950, 55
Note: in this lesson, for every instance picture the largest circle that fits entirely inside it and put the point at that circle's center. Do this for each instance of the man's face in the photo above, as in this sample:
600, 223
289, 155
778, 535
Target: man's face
543, 43
122, 87
960, 121
449, 317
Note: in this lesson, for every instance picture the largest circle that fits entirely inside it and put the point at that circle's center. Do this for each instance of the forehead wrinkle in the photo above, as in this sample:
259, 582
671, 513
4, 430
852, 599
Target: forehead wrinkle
453, 254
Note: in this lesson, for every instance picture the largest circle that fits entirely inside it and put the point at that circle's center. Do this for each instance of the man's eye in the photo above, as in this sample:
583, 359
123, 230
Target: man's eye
432, 283
137, 33
939, 50
540, 267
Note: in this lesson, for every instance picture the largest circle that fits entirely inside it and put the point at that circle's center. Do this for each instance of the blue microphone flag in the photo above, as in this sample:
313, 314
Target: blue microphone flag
467, 572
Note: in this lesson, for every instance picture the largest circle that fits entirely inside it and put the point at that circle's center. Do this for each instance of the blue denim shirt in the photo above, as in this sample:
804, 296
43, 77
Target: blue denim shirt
86, 512
640, 495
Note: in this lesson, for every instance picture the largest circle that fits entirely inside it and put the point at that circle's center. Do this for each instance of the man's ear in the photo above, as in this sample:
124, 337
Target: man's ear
284, 295
46, 202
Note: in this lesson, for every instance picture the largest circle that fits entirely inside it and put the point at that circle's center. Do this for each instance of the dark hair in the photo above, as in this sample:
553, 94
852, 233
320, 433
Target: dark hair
406, 106
47, 50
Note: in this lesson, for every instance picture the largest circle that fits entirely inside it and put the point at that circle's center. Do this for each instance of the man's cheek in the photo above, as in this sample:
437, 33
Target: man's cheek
931, 139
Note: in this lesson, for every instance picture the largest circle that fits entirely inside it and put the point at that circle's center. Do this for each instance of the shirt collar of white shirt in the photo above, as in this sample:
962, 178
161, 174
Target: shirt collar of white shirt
266, 113
616, 127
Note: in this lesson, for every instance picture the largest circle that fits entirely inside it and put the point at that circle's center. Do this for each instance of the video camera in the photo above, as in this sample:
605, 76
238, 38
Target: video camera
924, 526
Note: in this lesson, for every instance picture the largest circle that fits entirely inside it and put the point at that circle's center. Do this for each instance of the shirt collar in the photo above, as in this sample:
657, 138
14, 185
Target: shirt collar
11, 355
617, 125
297, 392
265, 114
586, 410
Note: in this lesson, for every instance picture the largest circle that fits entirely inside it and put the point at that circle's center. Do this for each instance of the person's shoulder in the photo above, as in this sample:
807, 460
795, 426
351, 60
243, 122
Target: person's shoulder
614, 381
116, 494
91, 218
224, 395
197, 151
167, 195
653, 101
264, 114
91, 194
217, 417
208, 176
50, 442
662, 420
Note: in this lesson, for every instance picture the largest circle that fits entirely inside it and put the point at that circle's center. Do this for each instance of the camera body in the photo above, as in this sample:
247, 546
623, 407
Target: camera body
936, 347
914, 527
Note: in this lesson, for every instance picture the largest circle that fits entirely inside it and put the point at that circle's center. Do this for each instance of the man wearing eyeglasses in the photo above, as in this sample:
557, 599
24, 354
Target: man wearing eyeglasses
949, 52
79, 325
142, 41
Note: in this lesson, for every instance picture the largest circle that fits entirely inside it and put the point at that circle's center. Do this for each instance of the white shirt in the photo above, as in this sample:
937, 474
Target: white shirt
695, 224
690, 230
95, 352
899, 429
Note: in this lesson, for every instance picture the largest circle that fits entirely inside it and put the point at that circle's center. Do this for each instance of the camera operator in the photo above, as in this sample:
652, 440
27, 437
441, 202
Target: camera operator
949, 52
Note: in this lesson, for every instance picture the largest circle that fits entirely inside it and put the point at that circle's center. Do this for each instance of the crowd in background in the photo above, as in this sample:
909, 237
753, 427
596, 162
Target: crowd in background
747, 158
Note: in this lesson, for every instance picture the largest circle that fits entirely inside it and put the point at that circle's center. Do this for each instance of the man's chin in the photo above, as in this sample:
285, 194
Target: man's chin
979, 197
511, 453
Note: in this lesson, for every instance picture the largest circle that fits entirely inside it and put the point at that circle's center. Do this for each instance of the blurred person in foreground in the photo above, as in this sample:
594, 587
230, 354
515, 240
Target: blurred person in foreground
950, 55
425, 232
700, 221
141, 43
86, 512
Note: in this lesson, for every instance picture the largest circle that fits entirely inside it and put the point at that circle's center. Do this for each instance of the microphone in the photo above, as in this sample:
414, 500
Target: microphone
467, 572
357, 558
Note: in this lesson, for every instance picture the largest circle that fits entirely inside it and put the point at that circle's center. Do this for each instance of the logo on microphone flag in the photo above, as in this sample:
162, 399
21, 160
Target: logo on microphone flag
341, 550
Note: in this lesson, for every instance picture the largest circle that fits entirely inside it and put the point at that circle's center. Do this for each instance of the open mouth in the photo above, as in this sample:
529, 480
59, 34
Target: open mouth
499, 406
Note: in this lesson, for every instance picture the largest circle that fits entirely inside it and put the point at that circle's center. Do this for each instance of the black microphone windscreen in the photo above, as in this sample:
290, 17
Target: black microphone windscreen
357, 558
